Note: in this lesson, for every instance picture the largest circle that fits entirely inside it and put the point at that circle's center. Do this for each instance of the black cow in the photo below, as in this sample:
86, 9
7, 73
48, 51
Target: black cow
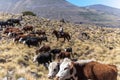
24, 38
68, 49
14, 21
43, 58
39, 39
44, 38
31, 41
10, 24
3, 23
54, 52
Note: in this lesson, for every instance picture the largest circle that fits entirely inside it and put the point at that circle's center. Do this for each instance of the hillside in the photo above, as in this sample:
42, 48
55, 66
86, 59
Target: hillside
57, 9
106, 9
103, 45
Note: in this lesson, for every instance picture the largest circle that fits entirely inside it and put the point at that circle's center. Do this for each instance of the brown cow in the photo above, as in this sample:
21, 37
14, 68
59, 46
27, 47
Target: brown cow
17, 38
28, 28
21, 36
14, 34
7, 30
63, 55
40, 32
98, 71
44, 48
91, 70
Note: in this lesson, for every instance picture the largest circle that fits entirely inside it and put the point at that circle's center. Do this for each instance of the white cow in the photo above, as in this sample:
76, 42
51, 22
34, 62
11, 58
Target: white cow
53, 69
55, 66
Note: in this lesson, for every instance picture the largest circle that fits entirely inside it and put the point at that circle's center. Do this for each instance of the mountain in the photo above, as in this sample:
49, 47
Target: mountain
106, 9
57, 9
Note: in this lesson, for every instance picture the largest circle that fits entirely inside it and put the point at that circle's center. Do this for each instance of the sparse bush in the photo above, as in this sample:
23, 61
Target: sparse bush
28, 13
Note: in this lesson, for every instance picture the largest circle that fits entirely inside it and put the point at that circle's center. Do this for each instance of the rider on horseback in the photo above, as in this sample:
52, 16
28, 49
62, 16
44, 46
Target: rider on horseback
61, 30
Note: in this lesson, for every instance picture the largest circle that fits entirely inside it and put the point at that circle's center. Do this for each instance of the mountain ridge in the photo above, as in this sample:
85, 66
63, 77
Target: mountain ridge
105, 8
57, 9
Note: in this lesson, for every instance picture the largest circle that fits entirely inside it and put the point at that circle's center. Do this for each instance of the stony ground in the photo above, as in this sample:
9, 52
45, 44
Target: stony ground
101, 44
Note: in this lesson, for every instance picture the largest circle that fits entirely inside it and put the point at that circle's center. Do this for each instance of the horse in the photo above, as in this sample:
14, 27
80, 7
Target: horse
65, 35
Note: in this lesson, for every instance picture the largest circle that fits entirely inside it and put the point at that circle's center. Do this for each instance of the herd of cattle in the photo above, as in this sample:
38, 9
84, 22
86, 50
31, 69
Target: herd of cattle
20, 35
66, 67
45, 54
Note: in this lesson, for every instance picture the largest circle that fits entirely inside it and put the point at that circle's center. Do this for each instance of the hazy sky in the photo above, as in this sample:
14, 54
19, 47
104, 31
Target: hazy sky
112, 3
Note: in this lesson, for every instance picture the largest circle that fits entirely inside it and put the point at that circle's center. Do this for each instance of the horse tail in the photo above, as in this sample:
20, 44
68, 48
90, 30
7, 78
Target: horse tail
69, 36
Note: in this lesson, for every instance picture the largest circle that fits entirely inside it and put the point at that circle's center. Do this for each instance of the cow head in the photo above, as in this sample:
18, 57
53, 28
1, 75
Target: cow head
66, 71
53, 69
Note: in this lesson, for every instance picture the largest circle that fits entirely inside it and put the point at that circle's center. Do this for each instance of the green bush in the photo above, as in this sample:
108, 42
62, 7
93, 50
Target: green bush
28, 13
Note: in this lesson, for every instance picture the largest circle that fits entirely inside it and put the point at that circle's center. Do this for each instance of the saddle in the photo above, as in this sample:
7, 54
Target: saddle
61, 34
